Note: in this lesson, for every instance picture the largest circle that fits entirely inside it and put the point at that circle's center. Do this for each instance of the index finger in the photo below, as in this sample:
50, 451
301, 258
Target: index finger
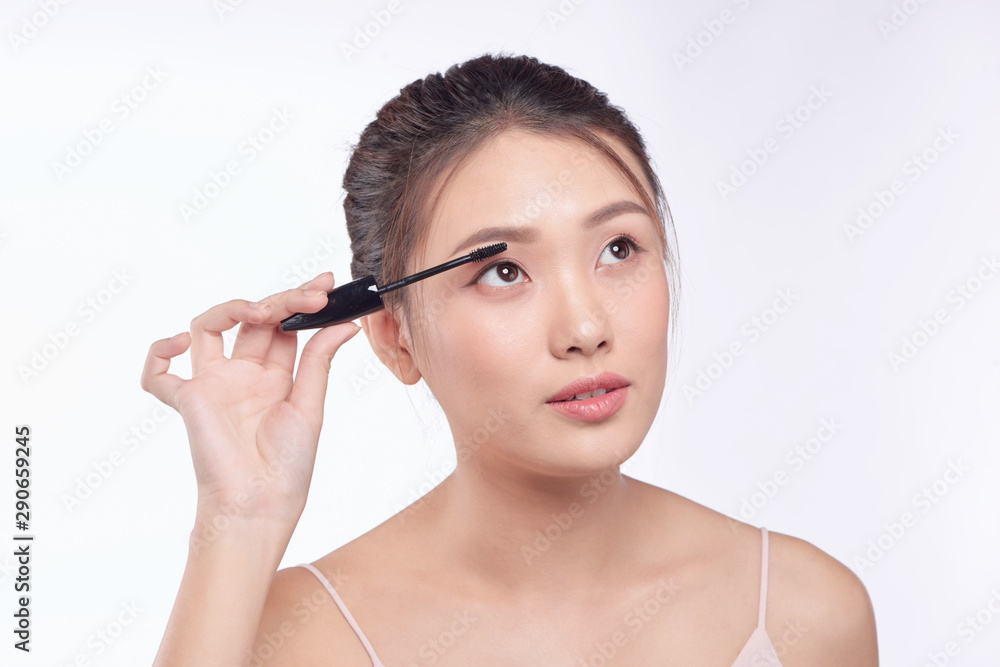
207, 328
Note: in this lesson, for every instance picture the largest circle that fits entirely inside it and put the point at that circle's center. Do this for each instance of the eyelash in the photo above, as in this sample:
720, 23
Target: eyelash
634, 248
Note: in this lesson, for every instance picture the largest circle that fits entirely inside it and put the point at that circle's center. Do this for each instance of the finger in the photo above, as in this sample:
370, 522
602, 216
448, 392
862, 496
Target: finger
155, 379
255, 339
323, 281
207, 328
309, 389
281, 354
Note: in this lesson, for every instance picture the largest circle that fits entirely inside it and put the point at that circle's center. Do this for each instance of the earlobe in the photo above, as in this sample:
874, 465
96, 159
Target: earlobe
391, 344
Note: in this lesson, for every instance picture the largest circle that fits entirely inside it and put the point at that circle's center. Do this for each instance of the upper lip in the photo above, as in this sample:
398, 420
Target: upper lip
582, 385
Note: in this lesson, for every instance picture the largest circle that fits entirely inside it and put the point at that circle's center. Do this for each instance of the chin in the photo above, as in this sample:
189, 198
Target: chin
580, 456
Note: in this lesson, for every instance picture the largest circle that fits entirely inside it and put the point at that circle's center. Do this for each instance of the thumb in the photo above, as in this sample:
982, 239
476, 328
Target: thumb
309, 388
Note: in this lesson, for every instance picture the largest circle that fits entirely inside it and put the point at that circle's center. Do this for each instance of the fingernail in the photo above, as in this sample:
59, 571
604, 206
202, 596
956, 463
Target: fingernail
258, 304
313, 292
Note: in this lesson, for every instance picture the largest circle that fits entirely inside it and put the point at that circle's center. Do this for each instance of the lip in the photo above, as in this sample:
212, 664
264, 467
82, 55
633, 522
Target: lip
593, 409
582, 385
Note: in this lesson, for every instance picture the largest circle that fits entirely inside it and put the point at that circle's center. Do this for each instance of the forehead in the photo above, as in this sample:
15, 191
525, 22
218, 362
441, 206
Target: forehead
525, 179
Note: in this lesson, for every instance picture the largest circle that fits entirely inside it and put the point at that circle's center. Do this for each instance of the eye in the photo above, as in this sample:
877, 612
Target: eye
620, 249
507, 273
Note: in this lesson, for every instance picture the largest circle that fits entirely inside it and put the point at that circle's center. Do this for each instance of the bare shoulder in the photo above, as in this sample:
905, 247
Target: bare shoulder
300, 612
818, 611
301, 625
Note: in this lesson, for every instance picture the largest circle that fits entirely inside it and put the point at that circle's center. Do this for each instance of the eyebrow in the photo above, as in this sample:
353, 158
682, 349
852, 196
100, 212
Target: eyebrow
530, 234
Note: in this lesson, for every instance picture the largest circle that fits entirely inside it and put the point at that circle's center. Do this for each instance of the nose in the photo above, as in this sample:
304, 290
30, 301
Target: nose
579, 322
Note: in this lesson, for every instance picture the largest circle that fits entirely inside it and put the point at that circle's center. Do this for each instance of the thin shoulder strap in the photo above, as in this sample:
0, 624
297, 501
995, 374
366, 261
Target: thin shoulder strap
347, 615
761, 613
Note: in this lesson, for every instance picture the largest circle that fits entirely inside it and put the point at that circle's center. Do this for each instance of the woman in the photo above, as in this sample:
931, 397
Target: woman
549, 363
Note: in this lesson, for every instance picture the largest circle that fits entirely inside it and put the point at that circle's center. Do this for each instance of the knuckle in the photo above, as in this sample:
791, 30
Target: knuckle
279, 297
233, 304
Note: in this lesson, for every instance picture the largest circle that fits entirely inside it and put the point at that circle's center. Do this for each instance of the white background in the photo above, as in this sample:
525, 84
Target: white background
891, 92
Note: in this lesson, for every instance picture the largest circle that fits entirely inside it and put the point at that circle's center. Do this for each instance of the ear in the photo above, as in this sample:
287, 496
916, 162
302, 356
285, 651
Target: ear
392, 350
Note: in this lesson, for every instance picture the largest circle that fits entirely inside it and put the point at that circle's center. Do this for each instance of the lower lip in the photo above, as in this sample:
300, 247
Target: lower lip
592, 409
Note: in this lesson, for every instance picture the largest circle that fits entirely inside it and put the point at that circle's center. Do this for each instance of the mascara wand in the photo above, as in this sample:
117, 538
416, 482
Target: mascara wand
361, 297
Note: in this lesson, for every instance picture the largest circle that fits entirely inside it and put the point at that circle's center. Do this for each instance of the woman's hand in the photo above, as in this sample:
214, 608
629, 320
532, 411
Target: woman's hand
253, 431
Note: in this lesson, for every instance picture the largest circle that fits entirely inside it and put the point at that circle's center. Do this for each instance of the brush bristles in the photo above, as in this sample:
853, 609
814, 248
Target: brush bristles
480, 254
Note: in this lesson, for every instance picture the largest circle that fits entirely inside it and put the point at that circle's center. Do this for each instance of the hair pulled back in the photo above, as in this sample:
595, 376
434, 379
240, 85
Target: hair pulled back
434, 123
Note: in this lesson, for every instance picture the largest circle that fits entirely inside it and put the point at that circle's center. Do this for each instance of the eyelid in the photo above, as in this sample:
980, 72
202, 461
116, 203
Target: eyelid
491, 265
635, 249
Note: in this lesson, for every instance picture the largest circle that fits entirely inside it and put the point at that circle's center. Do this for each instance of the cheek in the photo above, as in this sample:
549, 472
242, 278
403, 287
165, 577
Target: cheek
476, 353
497, 341
643, 305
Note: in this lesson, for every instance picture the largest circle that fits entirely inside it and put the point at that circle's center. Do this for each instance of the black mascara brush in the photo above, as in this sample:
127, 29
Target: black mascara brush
361, 297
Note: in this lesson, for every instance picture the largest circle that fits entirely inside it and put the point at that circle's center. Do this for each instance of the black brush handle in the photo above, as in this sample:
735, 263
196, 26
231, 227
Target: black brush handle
345, 303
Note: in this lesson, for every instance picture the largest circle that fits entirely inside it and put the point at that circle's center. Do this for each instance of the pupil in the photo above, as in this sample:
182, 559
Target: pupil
619, 250
508, 273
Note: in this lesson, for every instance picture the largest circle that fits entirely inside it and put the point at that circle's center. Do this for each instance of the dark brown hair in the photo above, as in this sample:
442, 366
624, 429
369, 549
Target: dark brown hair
420, 137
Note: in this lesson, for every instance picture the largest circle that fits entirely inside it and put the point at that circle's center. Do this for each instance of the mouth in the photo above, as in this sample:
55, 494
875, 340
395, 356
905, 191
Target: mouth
585, 395
587, 387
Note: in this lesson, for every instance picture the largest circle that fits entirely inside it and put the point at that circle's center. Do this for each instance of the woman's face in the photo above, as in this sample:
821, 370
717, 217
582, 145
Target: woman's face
568, 298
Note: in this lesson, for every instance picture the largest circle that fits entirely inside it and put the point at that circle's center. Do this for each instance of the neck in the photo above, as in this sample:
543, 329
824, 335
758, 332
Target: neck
533, 534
